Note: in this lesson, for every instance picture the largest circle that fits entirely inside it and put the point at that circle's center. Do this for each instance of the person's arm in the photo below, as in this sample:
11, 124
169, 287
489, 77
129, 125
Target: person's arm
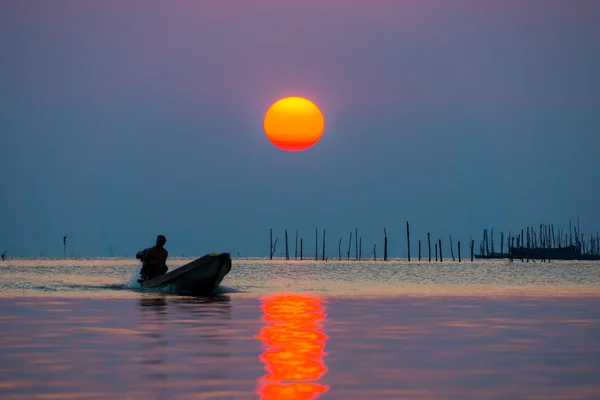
147, 257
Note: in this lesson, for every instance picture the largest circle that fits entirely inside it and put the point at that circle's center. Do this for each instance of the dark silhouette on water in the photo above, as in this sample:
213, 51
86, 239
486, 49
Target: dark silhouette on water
199, 277
543, 244
154, 260
4, 256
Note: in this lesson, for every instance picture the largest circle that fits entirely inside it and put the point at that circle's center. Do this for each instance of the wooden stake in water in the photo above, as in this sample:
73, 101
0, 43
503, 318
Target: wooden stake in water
529, 241
287, 254
65, 247
356, 243
429, 244
271, 243
436, 257
459, 251
349, 245
419, 250
472, 246
408, 239
512, 248
384, 245
486, 242
274, 248
360, 248
340, 249
452, 248
323, 244
570, 233
374, 252
440, 241
316, 244
301, 255
296, 246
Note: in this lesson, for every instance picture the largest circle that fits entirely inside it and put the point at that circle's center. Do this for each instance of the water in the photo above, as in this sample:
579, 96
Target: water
255, 277
79, 329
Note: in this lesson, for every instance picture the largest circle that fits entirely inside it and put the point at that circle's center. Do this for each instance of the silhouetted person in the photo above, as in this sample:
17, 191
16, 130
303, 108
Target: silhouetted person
4, 256
154, 260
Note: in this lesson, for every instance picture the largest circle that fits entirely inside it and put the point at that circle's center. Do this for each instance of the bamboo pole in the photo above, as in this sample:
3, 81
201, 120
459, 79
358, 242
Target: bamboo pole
528, 242
287, 254
349, 245
429, 244
271, 243
316, 244
408, 239
323, 244
385, 243
356, 243
486, 246
296, 246
472, 249
274, 248
522, 238
578, 231
360, 248
570, 233
512, 248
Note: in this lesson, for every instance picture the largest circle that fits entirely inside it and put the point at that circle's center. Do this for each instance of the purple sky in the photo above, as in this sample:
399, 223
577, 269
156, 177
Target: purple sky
124, 119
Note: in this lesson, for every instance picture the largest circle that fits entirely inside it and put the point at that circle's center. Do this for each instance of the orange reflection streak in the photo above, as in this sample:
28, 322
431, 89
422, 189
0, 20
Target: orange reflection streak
294, 347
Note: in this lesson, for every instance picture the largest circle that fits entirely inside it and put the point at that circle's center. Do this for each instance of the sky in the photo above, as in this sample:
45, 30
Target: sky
121, 120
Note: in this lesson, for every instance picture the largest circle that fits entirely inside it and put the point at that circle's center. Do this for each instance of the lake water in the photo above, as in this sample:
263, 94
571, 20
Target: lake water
77, 329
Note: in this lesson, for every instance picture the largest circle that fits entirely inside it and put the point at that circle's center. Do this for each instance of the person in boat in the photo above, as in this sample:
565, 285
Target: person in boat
154, 260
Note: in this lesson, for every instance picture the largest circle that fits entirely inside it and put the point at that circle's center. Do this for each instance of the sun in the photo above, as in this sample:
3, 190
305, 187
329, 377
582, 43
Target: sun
294, 123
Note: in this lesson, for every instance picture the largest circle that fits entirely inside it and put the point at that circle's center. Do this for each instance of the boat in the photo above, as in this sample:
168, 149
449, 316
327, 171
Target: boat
200, 277
541, 253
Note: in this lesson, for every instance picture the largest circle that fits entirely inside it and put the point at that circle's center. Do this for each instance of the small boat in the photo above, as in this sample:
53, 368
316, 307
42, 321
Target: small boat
201, 276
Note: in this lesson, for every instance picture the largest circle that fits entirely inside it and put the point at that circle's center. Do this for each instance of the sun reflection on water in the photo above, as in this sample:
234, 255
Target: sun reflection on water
294, 347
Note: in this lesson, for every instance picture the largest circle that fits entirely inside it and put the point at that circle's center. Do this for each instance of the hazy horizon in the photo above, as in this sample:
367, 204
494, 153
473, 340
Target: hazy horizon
124, 120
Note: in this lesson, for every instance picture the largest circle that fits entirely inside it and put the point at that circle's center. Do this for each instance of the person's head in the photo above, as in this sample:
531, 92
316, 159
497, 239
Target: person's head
160, 241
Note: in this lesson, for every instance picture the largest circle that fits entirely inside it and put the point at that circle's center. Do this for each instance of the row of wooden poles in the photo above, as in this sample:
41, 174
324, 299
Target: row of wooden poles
358, 246
544, 238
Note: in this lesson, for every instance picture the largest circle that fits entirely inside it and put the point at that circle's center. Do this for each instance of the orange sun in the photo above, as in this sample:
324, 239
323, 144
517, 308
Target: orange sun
294, 123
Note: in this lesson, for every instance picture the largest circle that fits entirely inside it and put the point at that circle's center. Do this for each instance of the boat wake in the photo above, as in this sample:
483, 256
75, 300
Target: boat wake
133, 281
227, 290
133, 284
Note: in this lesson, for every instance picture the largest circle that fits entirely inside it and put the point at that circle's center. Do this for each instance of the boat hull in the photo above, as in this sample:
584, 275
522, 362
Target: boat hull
201, 276
536, 253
